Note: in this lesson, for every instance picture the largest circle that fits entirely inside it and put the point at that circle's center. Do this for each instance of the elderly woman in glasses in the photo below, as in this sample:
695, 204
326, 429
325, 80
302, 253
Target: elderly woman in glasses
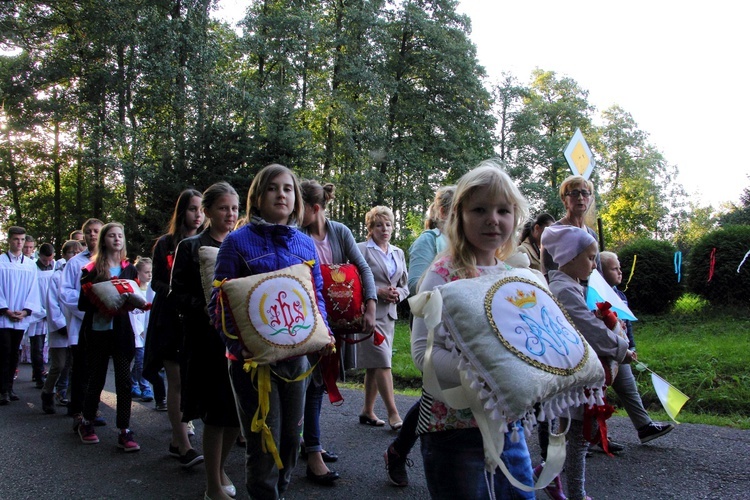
577, 194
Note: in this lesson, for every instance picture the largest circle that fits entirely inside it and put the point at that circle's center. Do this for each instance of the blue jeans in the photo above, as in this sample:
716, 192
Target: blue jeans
263, 479
313, 403
136, 373
454, 466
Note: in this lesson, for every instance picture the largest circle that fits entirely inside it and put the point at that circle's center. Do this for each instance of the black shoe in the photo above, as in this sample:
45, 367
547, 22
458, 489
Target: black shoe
14, 396
48, 403
395, 467
614, 447
651, 431
327, 479
190, 458
4, 399
327, 456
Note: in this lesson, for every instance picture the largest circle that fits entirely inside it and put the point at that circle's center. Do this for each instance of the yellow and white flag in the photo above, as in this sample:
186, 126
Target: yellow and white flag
671, 398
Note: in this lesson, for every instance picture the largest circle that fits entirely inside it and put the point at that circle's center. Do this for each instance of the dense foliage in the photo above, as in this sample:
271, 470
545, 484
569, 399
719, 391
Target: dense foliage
109, 108
653, 287
714, 270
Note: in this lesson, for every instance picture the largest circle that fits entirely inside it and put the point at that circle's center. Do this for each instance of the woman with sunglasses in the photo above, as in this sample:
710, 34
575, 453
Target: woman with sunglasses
577, 195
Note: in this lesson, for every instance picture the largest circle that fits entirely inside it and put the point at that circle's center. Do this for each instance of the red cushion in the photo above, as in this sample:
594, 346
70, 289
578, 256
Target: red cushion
342, 291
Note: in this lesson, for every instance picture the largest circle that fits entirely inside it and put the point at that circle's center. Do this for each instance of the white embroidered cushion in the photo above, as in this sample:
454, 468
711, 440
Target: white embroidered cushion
276, 314
517, 347
207, 259
113, 296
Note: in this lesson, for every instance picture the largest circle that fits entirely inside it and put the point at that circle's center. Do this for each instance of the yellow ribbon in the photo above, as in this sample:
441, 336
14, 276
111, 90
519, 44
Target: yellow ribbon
632, 270
218, 284
262, 374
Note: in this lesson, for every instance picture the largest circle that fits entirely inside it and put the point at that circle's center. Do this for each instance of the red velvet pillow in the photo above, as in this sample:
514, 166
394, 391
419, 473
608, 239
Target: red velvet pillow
342, 291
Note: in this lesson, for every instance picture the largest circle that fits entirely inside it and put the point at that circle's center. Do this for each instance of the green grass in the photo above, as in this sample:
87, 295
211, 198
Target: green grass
705, 355
690, 304
700, 350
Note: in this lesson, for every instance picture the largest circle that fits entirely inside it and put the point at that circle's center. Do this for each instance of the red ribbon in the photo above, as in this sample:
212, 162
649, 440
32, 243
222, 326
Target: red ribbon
379, 338
329, 368
712, 264
600, 414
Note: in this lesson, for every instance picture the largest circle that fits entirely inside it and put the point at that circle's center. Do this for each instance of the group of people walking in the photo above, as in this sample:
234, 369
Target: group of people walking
471, 231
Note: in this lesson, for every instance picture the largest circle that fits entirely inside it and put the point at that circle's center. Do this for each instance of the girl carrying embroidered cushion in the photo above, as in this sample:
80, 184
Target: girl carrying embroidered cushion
268, 242
486, 211
107, 336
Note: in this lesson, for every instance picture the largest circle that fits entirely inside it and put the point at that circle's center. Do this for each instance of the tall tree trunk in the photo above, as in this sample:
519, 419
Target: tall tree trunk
13, 180
59, 234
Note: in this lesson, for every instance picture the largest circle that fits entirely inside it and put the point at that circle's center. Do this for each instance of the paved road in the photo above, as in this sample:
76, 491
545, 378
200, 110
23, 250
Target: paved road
40, 457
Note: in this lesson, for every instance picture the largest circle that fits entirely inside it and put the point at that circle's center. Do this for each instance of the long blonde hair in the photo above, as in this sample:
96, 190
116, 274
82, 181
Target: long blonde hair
488, 174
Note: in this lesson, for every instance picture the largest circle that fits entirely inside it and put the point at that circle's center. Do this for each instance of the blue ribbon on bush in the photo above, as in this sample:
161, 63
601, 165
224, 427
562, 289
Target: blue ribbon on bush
678, 265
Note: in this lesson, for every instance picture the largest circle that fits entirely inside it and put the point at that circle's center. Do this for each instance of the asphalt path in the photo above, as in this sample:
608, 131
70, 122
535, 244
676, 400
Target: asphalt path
41, 457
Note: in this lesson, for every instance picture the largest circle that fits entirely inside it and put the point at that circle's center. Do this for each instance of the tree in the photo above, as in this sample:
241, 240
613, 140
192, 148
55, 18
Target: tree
636, 184
739, 215
552, 110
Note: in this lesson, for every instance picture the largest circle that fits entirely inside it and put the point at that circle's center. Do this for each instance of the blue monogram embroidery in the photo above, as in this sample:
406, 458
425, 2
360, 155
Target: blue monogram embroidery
549, 333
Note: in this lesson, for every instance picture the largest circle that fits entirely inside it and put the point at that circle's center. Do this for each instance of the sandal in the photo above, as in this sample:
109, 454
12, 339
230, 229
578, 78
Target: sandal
375, 422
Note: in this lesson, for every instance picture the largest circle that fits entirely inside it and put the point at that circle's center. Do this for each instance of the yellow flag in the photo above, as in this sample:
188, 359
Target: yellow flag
671, 398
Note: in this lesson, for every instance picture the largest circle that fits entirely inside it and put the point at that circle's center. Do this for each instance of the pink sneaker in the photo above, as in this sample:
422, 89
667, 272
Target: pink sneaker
126, 442
86, 432
554, 490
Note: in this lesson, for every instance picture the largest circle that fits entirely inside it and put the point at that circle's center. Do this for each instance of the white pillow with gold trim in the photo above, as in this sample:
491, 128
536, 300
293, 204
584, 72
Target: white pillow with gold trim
517, 347
276, 314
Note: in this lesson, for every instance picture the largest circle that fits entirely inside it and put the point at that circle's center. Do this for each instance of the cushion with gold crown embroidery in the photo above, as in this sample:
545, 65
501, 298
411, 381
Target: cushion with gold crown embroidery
342, 291
276, 314
517, 347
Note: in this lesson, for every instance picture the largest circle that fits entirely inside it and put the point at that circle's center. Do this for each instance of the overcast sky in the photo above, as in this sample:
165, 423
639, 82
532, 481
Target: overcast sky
678, 67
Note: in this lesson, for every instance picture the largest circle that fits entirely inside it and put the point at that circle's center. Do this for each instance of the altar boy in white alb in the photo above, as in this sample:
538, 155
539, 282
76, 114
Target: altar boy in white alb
19, 298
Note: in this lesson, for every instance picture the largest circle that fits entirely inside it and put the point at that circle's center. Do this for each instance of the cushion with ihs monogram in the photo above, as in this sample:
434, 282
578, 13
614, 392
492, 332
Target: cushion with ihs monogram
275, 314
342, 291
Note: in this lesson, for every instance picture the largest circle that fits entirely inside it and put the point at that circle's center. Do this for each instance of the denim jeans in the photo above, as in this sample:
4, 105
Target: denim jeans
454, 466
136, 373
263, 479
313, 403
